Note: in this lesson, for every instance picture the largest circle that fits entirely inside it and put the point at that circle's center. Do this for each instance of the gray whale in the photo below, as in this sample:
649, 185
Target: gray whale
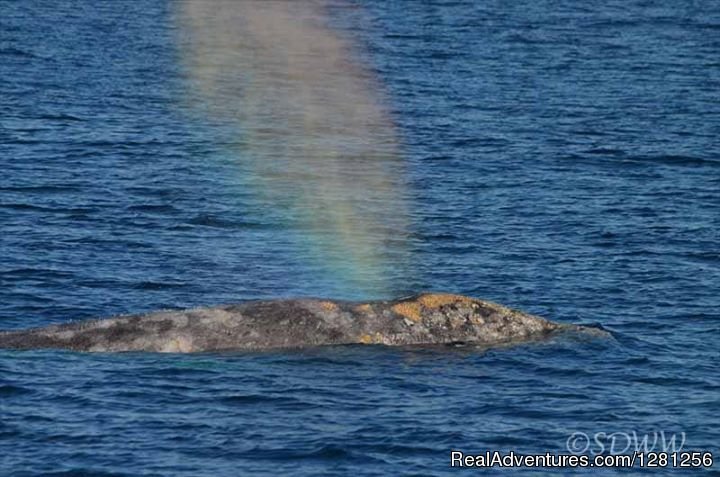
429, 318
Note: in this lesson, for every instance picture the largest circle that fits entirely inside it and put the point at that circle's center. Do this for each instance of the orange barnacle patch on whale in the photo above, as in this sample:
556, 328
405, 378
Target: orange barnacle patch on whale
377, 338
412, 310
409, 309
329, 306
366, 339
364, 308
436, 300
476, 320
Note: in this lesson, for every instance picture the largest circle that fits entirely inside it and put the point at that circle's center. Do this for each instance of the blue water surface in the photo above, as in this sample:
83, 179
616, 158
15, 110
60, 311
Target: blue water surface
562, 157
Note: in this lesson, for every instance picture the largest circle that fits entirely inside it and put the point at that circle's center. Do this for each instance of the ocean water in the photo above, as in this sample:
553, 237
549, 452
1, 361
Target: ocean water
560, 157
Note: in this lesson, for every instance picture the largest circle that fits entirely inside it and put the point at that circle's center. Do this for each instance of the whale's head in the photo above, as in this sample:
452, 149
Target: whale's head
456, 318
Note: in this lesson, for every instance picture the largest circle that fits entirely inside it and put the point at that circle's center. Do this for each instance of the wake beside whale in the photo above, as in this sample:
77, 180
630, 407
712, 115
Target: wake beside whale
430, 318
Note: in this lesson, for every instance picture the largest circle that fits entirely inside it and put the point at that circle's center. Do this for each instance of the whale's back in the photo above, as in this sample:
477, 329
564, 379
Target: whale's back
430, 318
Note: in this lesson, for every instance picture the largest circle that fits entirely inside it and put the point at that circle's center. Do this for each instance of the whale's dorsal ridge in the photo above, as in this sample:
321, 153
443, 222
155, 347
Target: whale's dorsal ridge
423, 318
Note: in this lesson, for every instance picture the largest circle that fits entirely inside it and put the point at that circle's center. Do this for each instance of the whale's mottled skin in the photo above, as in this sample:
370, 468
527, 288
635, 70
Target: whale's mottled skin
429, 318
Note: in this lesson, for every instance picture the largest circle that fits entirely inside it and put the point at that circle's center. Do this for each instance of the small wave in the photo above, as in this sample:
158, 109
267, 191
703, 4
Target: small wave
16, 273
82, 472
207, 220
675, 382
615, 22
128, 244
605, 151
20, 207
16, 52
521, 39
565, 395
403, 36
53, 210
154, 208
150, 285
61, 117
625, 158
323, 452
248, 399
479, 142
329, 451
8, 390
43, 189
677, 160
